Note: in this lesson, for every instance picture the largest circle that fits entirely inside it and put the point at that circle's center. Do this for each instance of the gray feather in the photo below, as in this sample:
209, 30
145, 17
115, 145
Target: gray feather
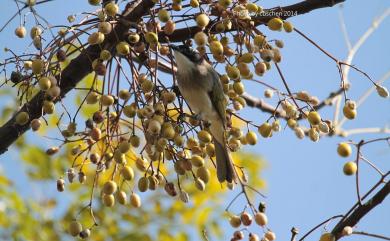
225, 169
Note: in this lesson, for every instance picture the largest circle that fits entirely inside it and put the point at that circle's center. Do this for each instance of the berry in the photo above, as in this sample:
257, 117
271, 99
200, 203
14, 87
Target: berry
327, 237
110, 187
127, 173
151, 38
235, 221
22, 118
203, 173
37, 66
121, 197
261, 219
85, 233
197, 161
111, 9
314, 118
202, 20
75, 228
251, 138
344, 149
169, 27
94, 2
246, 218
350, 168
35, 124
20, 31
96, 38
216, 48
143, 184
270, 235
135, 200
123, 48
108, 200
199, 184
204, 136
200, 38
105, 27
275, 24
265, 130
288, 27
349, 113
163, 15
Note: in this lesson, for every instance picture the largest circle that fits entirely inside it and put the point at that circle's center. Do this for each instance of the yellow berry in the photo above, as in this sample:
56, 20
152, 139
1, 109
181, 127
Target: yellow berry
288, 27
203, 173
314, 118
344, 149
143, 184
199, 184
275, 24
197, 161
75, 228
121, 197
105, 27
265, 130
134, 141
94, 2
44, 83
270, 235
261, 219
350, 168
200, 38
349, 113
235, 221
123, 48
20, 31
96, 38
251, 138
238, 88
204, 136
37, 66
135, 200
194, 3
233, 72
133, 38
108, 200
202, 20
163, 15
22, 118
151, 38
111, 9
247, 58
216, 48
327, 237
110, 187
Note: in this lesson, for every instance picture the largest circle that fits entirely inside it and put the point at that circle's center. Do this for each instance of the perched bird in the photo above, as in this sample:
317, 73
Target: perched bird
201, 88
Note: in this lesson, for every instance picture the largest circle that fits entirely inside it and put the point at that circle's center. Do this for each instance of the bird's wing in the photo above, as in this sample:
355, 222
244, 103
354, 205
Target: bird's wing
217, 96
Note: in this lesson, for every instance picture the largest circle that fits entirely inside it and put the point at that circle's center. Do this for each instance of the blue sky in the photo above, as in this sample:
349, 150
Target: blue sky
305, 183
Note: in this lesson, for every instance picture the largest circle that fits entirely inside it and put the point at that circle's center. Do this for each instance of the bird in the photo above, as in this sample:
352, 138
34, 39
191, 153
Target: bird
201, 88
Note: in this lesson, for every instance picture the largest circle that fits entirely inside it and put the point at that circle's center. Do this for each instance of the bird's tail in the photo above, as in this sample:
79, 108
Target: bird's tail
225, 168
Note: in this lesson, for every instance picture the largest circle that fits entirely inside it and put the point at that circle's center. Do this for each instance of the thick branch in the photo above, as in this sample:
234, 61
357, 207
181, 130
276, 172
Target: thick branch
362, 210
72, 74
283, 12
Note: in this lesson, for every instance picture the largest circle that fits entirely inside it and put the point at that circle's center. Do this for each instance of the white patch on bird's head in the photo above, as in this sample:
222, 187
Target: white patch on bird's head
183, 63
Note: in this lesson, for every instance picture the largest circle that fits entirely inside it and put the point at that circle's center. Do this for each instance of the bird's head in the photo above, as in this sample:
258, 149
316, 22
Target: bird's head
186, 56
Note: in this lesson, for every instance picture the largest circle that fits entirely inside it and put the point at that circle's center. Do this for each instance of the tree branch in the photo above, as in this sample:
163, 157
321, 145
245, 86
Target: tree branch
72, 74
262, 18
362, 210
